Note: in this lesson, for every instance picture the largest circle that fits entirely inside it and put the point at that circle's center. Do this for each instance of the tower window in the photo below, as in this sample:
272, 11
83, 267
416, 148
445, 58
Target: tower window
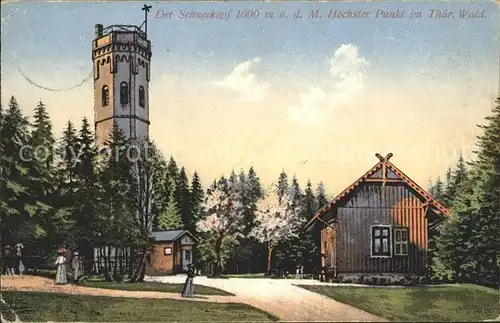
105, 96
123, 93
142, 102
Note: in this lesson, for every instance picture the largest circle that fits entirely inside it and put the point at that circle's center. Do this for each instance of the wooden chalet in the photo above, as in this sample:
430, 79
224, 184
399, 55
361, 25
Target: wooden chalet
379, 225
172, 251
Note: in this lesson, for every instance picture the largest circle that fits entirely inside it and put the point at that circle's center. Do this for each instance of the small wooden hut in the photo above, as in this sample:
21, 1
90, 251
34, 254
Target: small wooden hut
172, 251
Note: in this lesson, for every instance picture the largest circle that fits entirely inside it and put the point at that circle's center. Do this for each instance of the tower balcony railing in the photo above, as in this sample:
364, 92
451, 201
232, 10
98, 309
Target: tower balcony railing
107, 35
124, 28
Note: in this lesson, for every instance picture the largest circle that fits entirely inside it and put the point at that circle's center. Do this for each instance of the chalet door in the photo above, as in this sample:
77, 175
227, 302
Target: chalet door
187, 258
329, 247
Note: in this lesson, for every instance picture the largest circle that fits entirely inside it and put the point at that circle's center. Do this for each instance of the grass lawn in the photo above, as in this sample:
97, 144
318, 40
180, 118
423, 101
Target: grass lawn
156, 287
6, 312
42, 307
444, 303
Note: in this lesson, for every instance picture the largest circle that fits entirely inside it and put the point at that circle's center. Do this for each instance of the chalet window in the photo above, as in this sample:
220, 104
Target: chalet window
401, 241
168, 251
142, 99
105, 96
381, 241
123, 93
187, 255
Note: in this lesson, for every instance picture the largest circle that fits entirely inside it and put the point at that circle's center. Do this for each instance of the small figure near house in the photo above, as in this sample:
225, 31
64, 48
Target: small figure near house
76, 266
297, 272
61, 278
301, 271
322, 274
188, 290
19, 252
9, 268
19, 248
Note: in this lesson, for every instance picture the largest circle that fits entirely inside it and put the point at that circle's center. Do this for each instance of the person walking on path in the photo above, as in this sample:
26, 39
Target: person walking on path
61, 278
188, 290
76, 266
19, 252
8, 261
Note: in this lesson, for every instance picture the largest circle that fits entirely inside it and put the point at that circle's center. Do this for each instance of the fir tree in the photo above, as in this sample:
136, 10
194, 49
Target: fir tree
56, 218
295, 191
170, 218
254, 193
282, 186
67, 189
43, 142
469, 242
172, 169
42, 135
244, 196
438, 190
255, 187
183, 199
309, 201
321, 199
67, 155
86, 214
87, 158
115, 214
459, 176
233, 178
19, 206
197, 197
448, 189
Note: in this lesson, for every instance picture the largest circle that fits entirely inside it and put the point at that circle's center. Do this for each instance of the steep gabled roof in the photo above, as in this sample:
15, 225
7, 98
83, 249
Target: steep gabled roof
384, 171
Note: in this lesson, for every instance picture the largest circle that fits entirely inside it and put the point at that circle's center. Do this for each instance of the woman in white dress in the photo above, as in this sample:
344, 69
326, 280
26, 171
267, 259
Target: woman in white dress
19, 252
61, 278
76, 265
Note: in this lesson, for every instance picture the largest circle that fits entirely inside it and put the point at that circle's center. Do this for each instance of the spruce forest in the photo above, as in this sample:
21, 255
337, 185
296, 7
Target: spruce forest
66, 193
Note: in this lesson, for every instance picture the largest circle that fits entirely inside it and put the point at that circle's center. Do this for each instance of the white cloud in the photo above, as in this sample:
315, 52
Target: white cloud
243, 81
307, 112
347, 70
346, 62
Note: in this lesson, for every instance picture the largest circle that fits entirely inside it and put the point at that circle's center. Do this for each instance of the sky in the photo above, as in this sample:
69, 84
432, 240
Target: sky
314, 97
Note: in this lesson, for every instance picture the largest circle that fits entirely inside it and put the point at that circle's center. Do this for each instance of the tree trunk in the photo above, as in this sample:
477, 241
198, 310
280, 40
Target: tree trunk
269, 255
109, 276
120, 264
115, 265
218, 259
103, 262
138, 275
130, 262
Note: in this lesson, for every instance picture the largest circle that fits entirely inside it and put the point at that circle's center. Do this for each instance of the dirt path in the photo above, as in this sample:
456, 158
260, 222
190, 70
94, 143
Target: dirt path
283, 299
278, 297
42, 284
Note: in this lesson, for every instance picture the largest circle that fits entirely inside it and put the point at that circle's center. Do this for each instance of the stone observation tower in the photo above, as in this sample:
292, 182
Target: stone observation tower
121, 56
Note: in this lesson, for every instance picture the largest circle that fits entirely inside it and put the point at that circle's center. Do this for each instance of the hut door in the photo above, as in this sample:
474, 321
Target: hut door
187, 258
